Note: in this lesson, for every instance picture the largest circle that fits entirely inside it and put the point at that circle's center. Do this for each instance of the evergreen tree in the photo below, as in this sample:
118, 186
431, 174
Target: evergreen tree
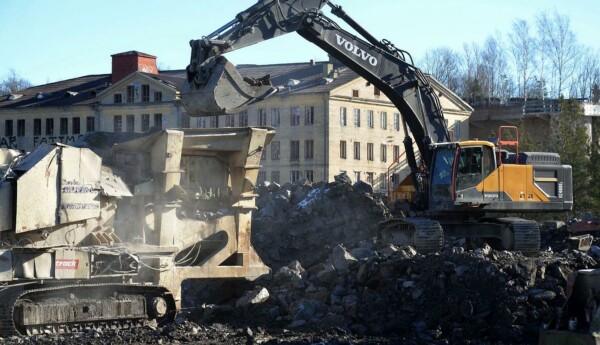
570, 140
526, 143
594, 168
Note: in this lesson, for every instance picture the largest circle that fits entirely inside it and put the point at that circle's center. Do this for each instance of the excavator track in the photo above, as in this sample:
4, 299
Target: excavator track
76, 307
426, 235
527, 237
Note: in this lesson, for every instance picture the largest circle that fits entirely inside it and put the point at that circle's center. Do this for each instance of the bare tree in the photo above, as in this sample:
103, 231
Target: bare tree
493, 58
523, 51
13, 82
588, 68
472, 84
444, 64
560, 45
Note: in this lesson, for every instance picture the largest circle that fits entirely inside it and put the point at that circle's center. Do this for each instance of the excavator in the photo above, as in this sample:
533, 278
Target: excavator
467, 189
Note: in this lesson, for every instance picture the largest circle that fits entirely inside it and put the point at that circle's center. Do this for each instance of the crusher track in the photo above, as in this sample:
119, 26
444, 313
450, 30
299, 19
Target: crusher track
30, 309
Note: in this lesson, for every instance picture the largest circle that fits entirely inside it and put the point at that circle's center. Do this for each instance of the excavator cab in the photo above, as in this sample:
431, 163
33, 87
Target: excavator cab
457, 173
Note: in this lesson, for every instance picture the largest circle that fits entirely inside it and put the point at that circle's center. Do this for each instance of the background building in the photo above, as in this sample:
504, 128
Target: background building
328, 119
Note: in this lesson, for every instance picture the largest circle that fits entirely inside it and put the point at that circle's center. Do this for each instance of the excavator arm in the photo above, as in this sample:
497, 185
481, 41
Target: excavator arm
215, 87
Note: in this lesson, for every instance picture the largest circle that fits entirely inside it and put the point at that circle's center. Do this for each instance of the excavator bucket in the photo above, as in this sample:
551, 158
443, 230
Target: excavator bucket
223, 90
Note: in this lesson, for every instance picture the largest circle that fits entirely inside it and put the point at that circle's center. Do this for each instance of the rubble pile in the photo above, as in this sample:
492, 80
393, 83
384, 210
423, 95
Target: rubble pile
330, 272
453, 296
303, 220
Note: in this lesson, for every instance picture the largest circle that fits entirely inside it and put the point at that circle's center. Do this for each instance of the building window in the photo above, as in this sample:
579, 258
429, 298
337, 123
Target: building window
294, 175
118, 98
356, 176
129, 123
295, 116
118, 123
157, 96
8, 128
343, 149
37, 126
275, 117
184, 120
64, 125
383, 120
356, 150
309, 116
262, 176
145, 93
275, 150
354, 93
369, 151
158, 120
202, 122
383, 178
49, 126
214, 121
262, 117
130, 93
396, 152
356, 117
396, 121
76, 125
309, 175
145, 122
90, 124
275, 176
370, 118
229, 120
243, 119
294, 150
383, 152
263, 155
309, 149
376, 91
457, 130
370, 176
343, 116
21, 128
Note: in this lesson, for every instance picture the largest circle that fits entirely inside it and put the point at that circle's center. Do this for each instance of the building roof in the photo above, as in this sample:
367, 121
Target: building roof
294, 78
134, 52
81, 90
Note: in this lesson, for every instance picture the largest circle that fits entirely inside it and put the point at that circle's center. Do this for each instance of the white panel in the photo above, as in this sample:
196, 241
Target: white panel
37, 193
80, 182
6, 206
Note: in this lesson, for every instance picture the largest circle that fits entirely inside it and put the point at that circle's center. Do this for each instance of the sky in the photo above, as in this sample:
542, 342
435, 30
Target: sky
47, 41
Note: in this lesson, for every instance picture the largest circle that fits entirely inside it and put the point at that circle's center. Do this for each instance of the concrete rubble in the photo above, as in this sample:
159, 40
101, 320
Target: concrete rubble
330, 272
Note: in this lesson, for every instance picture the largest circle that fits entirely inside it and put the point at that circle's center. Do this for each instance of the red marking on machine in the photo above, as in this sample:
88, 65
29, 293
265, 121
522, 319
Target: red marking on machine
67, 264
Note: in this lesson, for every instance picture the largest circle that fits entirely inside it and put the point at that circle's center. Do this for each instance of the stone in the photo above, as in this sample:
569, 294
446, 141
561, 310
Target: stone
362, 187
256, 296
343, 178
388, 250
296, 324
546, 295
362, 253
342, 259
554, 224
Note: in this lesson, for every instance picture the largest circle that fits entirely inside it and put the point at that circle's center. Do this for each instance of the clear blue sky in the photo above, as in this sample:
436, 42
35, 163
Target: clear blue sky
47, 41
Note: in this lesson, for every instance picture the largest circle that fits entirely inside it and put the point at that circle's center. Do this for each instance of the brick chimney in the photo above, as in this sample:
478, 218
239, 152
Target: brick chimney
123, 64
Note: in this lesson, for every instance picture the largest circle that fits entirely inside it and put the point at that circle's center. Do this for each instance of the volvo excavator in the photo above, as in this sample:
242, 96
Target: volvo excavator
469, 189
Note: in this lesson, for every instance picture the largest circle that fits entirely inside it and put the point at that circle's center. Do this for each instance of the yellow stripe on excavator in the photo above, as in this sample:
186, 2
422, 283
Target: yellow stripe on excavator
516, 181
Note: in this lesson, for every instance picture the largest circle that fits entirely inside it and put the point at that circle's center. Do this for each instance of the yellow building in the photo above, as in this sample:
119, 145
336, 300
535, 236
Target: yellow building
328, 119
